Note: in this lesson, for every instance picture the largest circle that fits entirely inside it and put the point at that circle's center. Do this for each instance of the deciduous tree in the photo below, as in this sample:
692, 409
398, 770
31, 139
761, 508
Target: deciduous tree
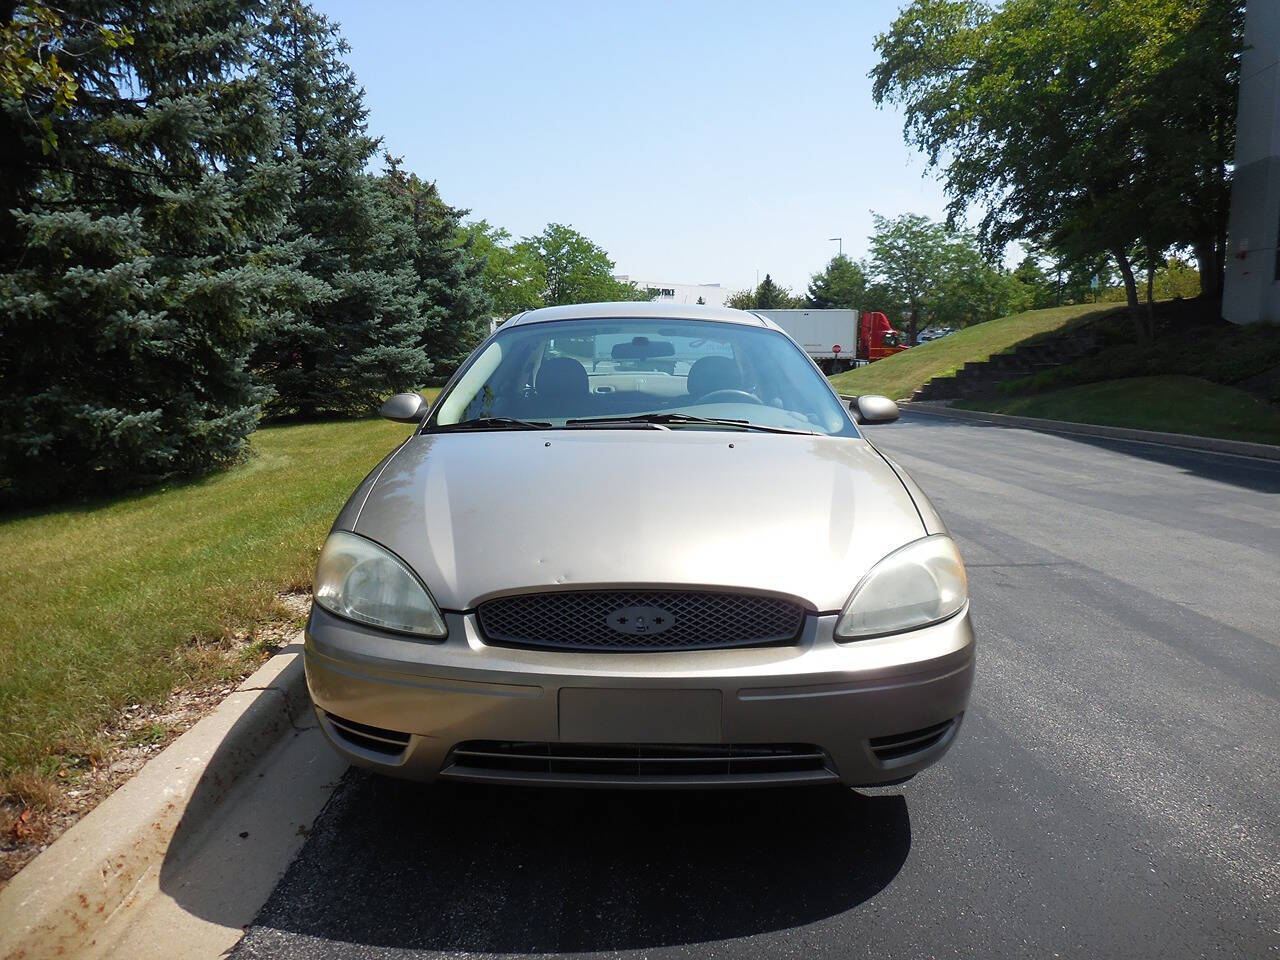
937, 276
1045, 290
578, 270
514, 276
1094, 126
907, 254
841, 285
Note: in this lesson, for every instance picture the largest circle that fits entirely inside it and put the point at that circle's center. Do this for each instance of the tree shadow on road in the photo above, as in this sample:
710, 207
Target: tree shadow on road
501, 870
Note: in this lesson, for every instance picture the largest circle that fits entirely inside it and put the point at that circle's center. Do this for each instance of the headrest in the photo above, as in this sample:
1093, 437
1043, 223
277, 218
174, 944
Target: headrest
561, 377
710, 374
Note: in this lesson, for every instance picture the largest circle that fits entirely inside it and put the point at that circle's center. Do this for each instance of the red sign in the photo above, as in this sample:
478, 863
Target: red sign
836, 348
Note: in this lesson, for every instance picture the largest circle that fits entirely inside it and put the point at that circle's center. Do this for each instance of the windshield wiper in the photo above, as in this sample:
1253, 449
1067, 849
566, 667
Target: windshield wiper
681, 418
493, 423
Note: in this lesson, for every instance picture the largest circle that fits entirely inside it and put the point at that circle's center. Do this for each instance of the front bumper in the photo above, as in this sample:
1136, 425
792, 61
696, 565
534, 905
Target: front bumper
878, 710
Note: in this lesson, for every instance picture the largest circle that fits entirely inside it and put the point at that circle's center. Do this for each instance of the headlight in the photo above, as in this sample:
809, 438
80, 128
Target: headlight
359, 580
916, 585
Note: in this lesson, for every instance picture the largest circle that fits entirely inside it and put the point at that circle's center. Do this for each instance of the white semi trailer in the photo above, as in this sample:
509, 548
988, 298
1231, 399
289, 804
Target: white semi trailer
829, 336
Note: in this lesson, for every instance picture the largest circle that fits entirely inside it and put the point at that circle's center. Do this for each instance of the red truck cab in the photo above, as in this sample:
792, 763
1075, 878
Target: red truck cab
877, 339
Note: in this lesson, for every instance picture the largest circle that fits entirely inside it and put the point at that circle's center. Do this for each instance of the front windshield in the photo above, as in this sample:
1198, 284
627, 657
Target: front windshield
569, 371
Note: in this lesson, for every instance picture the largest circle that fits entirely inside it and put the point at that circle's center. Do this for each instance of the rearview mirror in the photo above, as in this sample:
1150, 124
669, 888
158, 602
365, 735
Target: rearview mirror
405, 408
642, 348
873, 408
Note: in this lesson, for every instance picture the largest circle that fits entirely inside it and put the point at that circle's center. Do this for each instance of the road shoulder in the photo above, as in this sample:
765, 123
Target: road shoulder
1239, 448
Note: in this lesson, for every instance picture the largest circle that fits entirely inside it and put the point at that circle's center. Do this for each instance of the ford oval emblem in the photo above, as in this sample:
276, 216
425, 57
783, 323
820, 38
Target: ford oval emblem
637, 620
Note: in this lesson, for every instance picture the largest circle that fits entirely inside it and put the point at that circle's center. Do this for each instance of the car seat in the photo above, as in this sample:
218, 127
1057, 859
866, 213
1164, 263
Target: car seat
709, 374
562, 388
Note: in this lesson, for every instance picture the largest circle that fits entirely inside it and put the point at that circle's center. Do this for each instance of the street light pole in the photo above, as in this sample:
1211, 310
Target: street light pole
839, 240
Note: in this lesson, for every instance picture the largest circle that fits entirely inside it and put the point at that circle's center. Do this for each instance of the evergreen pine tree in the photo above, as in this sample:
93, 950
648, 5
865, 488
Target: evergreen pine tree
128, 294
451, 279
348, 330
770, 296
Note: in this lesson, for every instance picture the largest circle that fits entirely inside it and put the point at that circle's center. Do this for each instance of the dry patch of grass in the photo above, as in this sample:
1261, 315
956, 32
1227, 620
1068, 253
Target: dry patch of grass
38, 805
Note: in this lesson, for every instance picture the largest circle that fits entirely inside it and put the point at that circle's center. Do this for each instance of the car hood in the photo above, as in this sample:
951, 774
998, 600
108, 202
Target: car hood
482, 514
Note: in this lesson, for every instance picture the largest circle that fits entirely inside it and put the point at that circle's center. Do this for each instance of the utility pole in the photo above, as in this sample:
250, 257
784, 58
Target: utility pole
839, 240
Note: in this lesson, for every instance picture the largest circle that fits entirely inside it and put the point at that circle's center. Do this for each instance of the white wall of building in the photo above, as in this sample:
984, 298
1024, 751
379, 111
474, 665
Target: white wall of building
1252, 291
712, 294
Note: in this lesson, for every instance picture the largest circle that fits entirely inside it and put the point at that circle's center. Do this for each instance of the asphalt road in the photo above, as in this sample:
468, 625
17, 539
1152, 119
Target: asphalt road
1115, 790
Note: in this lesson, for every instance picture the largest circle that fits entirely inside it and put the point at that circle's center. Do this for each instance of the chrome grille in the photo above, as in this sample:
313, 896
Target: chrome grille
690, 620
653, 764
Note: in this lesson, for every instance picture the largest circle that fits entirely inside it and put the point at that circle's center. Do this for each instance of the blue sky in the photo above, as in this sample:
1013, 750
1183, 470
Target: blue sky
697, 142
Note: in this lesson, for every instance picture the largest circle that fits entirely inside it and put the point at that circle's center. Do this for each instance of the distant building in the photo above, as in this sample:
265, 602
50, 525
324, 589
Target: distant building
712, 294
1252, 293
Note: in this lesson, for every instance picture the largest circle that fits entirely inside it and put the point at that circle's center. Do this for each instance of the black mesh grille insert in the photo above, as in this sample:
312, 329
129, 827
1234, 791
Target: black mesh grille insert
639, 620
639, 761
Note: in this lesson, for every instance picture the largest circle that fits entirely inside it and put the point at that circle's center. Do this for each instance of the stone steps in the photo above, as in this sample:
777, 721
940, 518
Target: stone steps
980, 378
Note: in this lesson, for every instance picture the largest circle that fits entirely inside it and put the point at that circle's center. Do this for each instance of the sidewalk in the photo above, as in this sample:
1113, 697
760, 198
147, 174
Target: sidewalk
181, 858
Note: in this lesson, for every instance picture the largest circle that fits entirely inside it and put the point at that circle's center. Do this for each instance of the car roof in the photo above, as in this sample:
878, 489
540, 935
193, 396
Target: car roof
639, 310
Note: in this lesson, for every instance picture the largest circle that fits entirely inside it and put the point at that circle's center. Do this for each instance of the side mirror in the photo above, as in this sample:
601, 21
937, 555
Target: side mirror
405, 408
873, 408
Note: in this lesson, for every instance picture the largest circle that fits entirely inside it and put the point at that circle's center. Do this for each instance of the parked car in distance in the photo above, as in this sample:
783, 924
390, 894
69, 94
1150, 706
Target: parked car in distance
640, 545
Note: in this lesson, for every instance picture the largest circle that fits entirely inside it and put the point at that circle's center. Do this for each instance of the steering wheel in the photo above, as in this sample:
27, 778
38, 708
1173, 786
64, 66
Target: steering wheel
729, 394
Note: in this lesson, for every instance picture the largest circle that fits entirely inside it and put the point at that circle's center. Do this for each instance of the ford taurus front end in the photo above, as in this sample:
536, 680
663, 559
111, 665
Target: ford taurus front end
640, 545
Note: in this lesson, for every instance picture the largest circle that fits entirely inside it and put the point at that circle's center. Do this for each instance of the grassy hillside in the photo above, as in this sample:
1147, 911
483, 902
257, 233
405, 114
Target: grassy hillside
1190, 340
1174, 404
110, 604
899, 375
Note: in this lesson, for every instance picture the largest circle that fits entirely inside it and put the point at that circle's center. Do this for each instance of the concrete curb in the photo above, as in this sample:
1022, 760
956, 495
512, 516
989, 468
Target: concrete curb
1238, 448
58, 903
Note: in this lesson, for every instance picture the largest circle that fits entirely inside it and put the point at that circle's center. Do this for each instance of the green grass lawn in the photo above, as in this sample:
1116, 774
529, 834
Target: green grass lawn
109, 604
897, 376
1174, 404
